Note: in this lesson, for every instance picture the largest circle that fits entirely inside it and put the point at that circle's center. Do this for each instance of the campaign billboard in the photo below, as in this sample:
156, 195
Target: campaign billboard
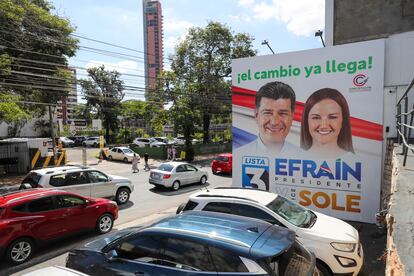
308, 126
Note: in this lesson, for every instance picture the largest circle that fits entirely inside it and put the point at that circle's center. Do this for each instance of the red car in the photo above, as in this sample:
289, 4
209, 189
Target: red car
222, 163
32, 217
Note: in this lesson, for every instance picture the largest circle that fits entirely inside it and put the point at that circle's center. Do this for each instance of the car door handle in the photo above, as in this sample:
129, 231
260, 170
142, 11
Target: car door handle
141, 273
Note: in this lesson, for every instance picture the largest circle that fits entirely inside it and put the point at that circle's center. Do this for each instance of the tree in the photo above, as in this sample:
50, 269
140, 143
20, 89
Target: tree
34, 47
86, 112
203, 60
103, 90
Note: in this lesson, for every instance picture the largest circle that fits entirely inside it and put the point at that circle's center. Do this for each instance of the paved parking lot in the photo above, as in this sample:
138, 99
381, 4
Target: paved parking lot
148, 204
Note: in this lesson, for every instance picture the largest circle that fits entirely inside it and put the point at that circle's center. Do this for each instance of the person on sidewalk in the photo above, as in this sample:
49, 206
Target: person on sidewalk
146, 156
169, 153
135, 161
174, 153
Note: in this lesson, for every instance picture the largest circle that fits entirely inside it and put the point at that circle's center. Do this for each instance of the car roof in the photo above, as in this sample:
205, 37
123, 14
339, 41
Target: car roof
120, 148
175, 163
250, 194
22, 195
51, 170
242, 234
225, 154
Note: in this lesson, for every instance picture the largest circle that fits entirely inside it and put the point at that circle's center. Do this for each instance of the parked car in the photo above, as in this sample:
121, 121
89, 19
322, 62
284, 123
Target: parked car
335, 243
142, 142
222, 163
180, 141
66, 142
85, 181
92, 142
55, 271
121, 153
77, 139
196, 243
32, 217
156, 142
176, 174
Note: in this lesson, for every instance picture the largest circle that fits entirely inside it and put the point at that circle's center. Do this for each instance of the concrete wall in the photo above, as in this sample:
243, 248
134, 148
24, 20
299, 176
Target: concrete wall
360, 20
400, 219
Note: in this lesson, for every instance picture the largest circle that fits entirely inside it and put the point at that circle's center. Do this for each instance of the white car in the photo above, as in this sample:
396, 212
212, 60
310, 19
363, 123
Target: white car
334, 242
84, 181
156, 142
176, 174
92, 142
142, 142
121, 153
55, 271
180, 141
66, 142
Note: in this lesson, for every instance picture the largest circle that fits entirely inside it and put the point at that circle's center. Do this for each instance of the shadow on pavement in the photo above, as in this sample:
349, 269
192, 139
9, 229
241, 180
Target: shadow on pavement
183, 190
125, 206
374, 243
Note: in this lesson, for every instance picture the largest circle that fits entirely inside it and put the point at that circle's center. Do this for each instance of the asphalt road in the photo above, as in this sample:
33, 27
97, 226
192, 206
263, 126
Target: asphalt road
146, 204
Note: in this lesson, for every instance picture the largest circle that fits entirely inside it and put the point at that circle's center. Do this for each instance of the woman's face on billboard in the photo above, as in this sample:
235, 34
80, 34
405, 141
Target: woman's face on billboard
325, 122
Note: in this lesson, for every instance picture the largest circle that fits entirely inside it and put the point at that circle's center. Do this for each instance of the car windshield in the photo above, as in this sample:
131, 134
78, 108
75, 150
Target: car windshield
295, 261
128, 151
292, 212
222, 158
165, 167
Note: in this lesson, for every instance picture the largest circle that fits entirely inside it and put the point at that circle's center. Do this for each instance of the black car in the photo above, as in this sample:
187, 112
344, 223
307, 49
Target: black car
196, 243
77, 139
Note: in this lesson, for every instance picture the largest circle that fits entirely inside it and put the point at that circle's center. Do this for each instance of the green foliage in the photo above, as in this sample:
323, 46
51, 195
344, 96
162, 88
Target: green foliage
32, 36
10, 110
103, 90
202, 66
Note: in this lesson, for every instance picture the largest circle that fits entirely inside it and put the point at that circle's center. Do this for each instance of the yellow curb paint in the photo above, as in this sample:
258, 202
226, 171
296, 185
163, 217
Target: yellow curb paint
47, 161
35, 158
62, 154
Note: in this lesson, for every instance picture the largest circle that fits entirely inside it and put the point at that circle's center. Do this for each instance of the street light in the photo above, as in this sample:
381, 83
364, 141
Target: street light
319, 33
265, 42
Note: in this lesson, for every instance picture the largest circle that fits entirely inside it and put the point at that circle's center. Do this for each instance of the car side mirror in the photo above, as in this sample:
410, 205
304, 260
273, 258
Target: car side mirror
110, 178
111, 254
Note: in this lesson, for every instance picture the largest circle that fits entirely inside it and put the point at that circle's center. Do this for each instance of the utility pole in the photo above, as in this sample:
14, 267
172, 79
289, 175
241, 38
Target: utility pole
265, 42
52, 133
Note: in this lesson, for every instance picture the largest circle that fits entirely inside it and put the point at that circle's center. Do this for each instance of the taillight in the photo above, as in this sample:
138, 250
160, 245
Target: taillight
166, 176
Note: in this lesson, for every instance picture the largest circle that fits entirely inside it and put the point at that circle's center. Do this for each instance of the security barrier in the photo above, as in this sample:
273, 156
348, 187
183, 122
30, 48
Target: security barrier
37, 161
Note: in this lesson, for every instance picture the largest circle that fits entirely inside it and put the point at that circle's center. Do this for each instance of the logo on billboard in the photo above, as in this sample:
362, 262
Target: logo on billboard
360, 84
255, 172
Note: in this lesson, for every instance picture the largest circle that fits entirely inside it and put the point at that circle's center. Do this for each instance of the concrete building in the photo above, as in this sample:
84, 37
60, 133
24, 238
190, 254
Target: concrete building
153, 46
349, 21
65, 110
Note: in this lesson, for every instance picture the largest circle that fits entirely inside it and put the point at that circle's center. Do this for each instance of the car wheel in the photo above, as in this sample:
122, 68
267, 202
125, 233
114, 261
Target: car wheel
203, 180
323, 269
180, 208
126, 160
176, 185
20, 251
122, 196
110, 157
105, 223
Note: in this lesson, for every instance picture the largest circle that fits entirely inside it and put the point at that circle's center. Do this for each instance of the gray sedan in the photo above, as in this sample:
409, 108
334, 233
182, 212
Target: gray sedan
176, 174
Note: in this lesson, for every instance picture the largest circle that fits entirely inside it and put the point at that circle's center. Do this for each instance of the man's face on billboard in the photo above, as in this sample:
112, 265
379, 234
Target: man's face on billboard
274, 119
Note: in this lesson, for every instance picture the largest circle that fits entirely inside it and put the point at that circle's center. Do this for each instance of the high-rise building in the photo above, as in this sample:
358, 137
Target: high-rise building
66, 106
153, 46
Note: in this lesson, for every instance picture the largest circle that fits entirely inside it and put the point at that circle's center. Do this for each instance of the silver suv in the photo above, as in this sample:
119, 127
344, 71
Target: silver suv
85, 181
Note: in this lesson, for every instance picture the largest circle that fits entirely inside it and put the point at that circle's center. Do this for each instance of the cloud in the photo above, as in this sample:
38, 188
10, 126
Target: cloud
302, 17
172, 41
245, 3
240, 18
123, 67
177, 26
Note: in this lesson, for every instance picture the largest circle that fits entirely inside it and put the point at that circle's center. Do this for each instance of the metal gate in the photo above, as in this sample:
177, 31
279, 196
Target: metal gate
14, 157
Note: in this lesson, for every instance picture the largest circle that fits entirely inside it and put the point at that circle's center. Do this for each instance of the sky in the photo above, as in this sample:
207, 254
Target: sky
288, 25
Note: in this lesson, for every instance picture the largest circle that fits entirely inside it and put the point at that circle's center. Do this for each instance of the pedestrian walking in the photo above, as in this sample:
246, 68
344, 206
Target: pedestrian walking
135, 161
146, 156
174, 153
169, 153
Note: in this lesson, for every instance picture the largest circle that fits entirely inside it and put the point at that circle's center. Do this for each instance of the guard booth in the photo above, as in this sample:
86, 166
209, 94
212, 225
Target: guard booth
20, 155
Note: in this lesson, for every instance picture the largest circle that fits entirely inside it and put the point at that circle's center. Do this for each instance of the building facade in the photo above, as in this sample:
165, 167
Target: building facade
65, 109
153, 47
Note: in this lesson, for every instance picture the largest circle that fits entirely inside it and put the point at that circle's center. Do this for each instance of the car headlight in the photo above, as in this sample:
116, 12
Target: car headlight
345, 247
